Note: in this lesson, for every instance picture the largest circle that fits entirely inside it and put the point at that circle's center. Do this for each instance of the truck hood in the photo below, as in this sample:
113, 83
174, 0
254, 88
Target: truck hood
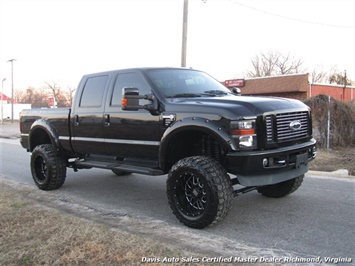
234, 106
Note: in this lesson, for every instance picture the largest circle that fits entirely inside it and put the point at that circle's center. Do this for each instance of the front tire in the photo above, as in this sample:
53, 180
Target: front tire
48, 168
199, 191
281, 189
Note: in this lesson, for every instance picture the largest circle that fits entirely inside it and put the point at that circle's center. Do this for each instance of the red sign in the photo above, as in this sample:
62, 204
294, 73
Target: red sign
51, 101
230, 83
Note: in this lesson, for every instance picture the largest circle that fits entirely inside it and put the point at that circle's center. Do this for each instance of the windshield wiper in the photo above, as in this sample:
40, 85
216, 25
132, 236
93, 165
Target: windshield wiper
215, 92
210, 93
184, 95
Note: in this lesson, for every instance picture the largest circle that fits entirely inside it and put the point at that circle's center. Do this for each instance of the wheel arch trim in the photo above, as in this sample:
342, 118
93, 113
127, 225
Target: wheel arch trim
43, 125
200, 124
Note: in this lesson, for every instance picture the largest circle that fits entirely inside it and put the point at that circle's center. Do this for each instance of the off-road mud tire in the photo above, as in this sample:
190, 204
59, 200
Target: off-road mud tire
282, 189
48, 167
199, 191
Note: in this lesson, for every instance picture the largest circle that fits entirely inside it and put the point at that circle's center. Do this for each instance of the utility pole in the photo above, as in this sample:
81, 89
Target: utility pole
328, 124
2, 100
184, 34
12, 89
345, 81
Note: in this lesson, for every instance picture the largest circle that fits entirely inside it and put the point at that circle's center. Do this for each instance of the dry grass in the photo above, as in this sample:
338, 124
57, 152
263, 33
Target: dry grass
332, 160
32, 234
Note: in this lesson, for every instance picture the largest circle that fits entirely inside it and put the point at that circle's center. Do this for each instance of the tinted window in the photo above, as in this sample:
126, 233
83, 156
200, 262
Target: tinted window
129, 80
177, 82
93, 91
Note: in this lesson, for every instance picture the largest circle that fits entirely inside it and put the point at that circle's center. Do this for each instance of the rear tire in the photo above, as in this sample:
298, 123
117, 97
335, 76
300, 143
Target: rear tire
199, 191
281, 189
48, 168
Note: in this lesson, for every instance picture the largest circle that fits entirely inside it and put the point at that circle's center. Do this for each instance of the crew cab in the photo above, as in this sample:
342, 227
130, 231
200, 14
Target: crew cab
212, 143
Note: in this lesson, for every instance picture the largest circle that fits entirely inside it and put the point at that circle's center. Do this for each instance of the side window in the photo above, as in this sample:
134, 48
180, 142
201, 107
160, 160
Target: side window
93, 91
132, 80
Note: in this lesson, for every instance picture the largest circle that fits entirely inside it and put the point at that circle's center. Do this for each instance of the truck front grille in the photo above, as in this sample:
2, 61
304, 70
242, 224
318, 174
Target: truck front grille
287, 127
269, 129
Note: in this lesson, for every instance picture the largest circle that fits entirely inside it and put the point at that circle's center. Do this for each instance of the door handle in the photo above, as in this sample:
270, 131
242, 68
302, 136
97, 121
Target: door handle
76, 120
106, 120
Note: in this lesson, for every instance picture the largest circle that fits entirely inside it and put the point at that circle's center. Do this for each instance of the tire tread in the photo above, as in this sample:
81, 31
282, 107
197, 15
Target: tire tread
219, 182
56, 163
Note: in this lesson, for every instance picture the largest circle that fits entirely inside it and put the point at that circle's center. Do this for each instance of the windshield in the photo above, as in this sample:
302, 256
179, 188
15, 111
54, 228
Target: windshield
175, 83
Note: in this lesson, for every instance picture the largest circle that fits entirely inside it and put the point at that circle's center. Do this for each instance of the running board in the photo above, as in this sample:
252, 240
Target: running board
145, 169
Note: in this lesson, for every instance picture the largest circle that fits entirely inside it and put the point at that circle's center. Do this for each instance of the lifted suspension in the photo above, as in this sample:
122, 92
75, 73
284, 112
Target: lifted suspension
244, 190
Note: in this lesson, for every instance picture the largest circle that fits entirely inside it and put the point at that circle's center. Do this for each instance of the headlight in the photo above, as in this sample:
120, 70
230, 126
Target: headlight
244, 133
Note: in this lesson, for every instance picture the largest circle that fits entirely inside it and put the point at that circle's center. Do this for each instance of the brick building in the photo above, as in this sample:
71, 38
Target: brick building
296, 86
339, 92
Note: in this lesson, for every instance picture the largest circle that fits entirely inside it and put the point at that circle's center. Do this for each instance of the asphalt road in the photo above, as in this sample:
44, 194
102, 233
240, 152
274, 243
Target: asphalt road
317, 220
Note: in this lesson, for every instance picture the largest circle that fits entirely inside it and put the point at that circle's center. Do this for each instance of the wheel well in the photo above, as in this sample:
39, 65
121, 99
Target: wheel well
193, 143
38, 137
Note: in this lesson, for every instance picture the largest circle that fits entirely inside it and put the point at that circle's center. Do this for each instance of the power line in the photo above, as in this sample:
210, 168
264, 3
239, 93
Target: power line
294, 19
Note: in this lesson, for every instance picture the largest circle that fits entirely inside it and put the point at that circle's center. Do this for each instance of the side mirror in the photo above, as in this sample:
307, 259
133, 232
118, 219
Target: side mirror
236, 91
130, 99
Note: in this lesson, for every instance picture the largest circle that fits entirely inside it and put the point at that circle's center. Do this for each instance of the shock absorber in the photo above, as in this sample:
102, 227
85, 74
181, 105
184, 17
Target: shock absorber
209, 148
217, 151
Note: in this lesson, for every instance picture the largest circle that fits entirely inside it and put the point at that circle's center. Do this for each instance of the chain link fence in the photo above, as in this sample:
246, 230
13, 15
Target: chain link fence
333, 121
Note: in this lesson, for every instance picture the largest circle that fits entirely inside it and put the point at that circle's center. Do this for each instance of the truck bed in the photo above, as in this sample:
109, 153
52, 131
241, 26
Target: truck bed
57, 117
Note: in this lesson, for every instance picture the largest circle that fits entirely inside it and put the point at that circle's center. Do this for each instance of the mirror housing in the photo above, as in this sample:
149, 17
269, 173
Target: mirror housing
131, 97
236, 91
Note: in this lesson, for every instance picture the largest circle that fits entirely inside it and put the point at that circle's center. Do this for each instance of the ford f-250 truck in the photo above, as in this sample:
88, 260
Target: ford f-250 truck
213, 143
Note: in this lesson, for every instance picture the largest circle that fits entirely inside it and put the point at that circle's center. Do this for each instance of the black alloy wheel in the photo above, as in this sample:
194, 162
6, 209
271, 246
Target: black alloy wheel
48, 167
199, 191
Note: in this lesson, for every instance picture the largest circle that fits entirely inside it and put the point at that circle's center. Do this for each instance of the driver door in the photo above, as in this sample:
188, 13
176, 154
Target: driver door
130, 133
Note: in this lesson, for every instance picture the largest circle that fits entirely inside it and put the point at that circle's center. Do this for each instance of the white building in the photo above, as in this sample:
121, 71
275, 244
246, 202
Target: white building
5, 110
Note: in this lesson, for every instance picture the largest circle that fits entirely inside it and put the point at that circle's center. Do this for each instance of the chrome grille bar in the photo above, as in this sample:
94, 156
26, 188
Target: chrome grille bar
269, 129
285, 131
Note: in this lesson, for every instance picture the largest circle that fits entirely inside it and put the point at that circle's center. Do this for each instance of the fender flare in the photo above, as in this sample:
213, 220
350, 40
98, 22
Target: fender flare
42, 124
198, 124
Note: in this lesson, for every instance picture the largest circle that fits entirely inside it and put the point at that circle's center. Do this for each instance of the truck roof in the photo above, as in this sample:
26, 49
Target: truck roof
139, 69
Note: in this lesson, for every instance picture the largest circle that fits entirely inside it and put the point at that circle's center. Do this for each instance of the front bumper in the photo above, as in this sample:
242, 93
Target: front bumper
260, 168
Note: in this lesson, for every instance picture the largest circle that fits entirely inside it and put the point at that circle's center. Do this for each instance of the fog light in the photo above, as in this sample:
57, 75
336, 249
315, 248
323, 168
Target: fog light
246, 141
265, 162
314, 152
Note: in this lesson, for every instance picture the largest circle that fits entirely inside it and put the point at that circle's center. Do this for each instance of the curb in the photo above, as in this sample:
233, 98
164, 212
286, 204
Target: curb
15, 136
338, 173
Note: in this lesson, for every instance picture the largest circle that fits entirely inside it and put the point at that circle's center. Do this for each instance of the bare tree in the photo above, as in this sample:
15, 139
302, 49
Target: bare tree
19, 96
35, 97
332, 76
62, 97
70, 95
288, 64
54, 89
339, 77
319, 76
275, 63
39, 97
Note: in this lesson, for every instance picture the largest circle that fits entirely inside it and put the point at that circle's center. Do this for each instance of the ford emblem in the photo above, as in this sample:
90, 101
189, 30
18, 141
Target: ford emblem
295, 125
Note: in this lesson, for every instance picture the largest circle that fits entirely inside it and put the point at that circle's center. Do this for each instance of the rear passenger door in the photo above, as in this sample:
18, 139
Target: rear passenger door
130, 133
87, 118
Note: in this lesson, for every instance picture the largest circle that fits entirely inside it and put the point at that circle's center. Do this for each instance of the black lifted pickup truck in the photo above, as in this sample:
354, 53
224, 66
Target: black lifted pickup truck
213, 143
